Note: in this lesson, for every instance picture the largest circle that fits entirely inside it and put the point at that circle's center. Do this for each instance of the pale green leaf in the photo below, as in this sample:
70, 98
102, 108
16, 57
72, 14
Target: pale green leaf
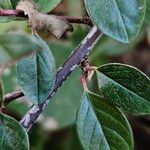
101, 126
125, 87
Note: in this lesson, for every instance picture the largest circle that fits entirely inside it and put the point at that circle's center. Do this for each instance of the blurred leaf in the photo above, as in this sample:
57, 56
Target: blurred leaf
36, 73
67, 139
37, 137
13, 26
1, 93
125, 87
102, 126
5, 4
9, 77
14, 46
147, 17
78, 35
113, 17
67, 101
110, 47
7, 19
13, 136
47, 5
14, 3
75, 8
43, 6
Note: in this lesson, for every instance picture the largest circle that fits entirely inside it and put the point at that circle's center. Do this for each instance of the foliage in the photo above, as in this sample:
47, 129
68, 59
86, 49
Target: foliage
117, 88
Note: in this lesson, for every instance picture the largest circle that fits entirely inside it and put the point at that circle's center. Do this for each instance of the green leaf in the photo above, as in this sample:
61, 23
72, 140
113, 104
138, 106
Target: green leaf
15, 46
12, 134
36, 73
7, 19
125, 87
14, 3
101, 126
43, 5
5, 4
47, 5
119, 19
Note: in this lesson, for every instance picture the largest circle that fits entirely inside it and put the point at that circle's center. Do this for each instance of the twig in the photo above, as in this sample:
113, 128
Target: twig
9, 12
63, 73
78, 20
70, 19
12, 96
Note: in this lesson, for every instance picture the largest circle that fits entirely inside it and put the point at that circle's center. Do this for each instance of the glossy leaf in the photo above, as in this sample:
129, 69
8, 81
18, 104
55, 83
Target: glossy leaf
14, 46
101, 126
12, 134
125, 87
36, 73
119, 19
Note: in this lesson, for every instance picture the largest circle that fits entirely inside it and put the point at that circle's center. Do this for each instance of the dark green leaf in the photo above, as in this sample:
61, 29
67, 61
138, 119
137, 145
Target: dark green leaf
13, 136
36, 73
101, 126
14, 46
119, 19
125, 87
147, 18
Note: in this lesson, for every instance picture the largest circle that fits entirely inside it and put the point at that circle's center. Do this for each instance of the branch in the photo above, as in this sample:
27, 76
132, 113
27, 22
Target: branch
63, 73
9, 12
12, 96
78, 20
